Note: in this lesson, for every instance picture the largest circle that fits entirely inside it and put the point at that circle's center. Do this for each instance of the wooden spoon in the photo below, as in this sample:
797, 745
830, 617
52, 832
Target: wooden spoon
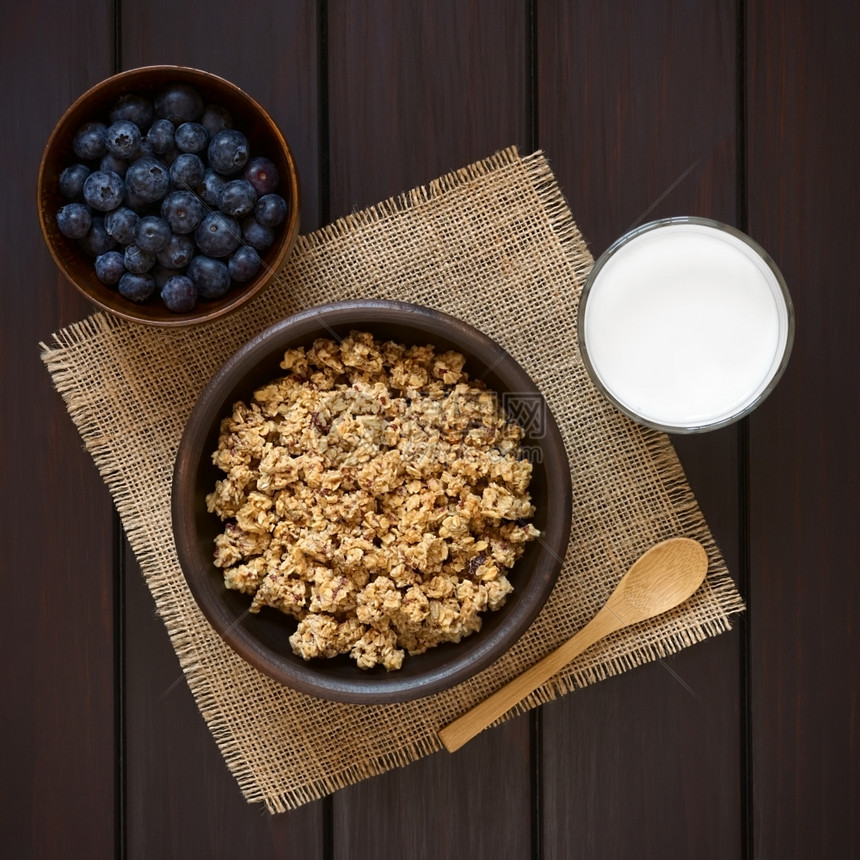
666, 575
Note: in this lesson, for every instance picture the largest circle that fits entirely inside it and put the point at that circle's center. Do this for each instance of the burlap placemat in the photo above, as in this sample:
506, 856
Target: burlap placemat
494, 244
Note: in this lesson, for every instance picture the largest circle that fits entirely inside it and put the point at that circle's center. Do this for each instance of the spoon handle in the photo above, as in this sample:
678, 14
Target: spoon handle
474, 721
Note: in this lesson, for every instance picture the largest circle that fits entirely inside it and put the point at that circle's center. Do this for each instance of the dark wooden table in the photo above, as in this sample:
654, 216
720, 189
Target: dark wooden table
747, 746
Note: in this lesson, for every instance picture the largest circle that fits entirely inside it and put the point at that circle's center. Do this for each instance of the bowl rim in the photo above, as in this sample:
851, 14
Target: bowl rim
227, 304
301, 676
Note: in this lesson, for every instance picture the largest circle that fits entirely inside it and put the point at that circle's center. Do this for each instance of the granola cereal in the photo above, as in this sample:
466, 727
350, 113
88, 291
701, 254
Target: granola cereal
376, 494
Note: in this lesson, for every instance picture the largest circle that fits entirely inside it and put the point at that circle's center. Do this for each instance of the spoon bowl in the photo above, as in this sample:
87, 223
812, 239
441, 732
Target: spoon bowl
660, 579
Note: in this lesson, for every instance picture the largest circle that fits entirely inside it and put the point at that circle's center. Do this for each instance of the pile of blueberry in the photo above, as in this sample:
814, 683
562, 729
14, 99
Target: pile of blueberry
168, 200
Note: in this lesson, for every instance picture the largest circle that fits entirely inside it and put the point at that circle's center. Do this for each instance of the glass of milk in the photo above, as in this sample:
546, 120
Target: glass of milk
685, 324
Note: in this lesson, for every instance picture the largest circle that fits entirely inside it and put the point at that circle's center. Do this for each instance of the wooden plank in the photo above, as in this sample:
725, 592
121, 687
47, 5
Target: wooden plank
803, 187
181, 799
474, 803
648, 759
637, 113
420, 89
56, 567
417, 90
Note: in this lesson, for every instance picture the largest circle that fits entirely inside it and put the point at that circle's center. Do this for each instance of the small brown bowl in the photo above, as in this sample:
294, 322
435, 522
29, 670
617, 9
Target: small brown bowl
264, 138
262, 639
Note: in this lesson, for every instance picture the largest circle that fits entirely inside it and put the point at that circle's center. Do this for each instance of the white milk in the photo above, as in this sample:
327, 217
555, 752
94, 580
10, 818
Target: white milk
685, 326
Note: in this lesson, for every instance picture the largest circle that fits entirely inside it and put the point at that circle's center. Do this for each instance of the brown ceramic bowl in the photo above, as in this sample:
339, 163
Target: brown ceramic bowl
264, 138
262, 639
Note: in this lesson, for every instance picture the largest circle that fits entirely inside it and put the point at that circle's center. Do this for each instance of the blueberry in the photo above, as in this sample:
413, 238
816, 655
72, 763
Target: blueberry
237, 198
191, 137
163, 275
97, 241
183, 211
187, 171
210, 277
161, 136
262, 174
132, 201
121, 223
110, 267
89, 143
103, 190
179, 103
170, 156
72, 178
74, 220
148, 180
113, 163
136, 287
210, 189
228, 151
123, 138
152, 233
218, 235
216, 118
177, 253
145, 150
137, 260
134, 108
179, 294
271, 209
244, 264
257, 235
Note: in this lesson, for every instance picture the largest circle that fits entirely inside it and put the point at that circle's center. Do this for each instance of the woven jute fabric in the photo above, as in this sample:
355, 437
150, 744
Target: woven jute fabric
494, 244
